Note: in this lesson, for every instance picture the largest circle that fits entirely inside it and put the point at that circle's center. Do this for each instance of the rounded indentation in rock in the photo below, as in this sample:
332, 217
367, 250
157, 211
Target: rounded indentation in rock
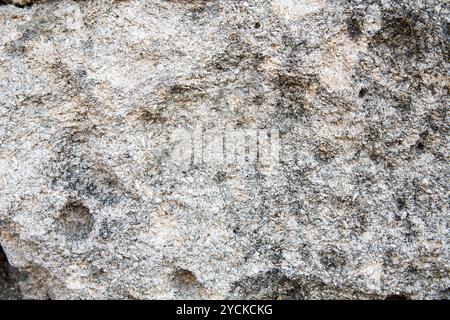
186, 285
184, 277
75, 220
353, 28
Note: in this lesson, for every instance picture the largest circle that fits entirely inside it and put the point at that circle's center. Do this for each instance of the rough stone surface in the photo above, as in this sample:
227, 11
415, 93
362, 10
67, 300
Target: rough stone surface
18, 2
356, 207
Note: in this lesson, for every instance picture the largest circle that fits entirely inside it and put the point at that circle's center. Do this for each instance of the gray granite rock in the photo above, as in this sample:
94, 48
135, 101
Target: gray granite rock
284, 149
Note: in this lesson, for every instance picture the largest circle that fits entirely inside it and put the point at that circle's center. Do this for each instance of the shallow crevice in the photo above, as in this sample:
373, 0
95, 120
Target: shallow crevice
9, 278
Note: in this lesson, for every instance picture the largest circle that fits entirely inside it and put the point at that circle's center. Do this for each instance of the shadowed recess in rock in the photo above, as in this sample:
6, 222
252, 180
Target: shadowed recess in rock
186, 285
75, 220
9, 288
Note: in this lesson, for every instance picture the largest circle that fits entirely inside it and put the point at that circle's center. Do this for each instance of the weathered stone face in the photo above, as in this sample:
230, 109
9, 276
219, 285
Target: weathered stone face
224, 149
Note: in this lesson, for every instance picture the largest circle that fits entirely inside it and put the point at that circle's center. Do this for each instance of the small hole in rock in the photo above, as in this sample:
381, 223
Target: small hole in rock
420, 146
362, 93
9, 277
185, 277
75, 220
257, 25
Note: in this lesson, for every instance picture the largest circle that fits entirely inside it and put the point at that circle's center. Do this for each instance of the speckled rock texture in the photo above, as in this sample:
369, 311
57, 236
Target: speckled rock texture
353, 206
